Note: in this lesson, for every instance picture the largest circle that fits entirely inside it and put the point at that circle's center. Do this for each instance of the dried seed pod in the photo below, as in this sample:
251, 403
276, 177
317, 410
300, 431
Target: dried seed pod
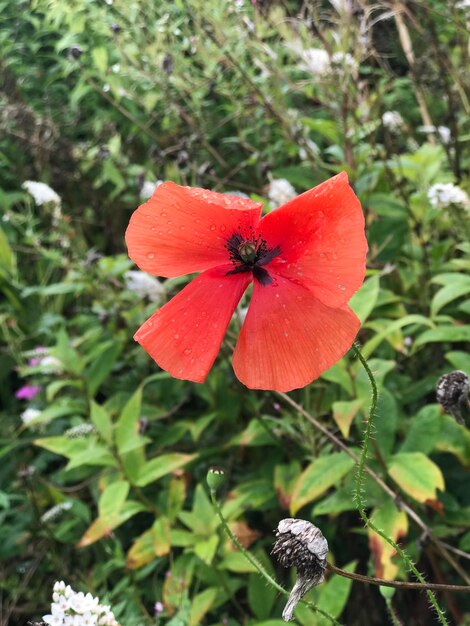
300, 544
452, 393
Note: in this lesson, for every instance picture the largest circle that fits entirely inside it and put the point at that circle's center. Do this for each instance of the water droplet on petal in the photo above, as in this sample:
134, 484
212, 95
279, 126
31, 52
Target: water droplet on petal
176, 336
212, 227
151, 255
187, 351
223, 228
342, 287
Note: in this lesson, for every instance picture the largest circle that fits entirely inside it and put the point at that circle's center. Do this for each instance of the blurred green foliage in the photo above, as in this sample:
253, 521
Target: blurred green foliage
104, 487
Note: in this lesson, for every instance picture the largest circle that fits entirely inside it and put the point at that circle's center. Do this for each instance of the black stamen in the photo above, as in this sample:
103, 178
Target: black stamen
249, 254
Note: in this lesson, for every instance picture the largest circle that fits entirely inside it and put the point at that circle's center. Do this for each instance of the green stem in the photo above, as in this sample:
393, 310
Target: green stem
359, 484
257, 564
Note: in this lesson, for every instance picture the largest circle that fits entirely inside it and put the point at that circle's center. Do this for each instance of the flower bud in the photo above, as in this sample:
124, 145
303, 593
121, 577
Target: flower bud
452, 393
300, 544
215, 478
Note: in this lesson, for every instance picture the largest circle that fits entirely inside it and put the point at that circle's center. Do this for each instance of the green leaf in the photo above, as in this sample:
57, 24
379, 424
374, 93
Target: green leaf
319, 476
236, 562
261, 597
456, 286
102, 421
161, 466
391, 327
153, 543
101, 368
417, 475
386, 422
202, 604
7, 256
100, 58
112, 498
79, 451
102, 526
364, 300
394, 524
333, 595
459, 360
424, 430
444, 333
344, 413
455, 439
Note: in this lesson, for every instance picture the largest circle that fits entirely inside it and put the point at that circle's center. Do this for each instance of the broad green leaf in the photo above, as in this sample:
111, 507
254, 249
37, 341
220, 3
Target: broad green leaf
102, 526
459, 360
319, 476
417, 475
112, 498
456, 285
391, 327
102, 421
332, 596
344, 413
161, 466
261, 597
254, 494
7, 256
394, 524
285, 477
385, 422
101, 368
127, 425
424, 430
79, 451
153, 543
444, 334
236, 562
455, 439
201, 604
205, 549
364, 300
100, 58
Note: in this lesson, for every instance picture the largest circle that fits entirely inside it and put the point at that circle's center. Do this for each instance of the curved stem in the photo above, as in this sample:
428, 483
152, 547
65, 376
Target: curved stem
257, 564
381, 582
359, 497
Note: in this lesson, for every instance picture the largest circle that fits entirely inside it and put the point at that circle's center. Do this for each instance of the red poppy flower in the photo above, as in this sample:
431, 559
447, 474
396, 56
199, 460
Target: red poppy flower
305, 260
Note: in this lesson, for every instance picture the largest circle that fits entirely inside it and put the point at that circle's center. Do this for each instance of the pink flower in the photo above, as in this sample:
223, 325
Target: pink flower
27, 392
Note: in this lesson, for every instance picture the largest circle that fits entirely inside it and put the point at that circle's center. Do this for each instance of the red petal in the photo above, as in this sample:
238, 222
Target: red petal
184, 336
322, 240
182, 230
289, 337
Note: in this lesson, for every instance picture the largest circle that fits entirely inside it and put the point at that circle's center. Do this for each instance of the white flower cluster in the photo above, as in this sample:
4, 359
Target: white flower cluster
443, 132
55, 511
344, 60
441, 195
144, 285
148, 188
29, 415
42, 193
316, 61
393, 121
280, 191
80, 431
70, 608
463, 4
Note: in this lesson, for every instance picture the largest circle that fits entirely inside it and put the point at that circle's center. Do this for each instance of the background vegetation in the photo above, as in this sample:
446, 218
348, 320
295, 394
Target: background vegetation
103, 484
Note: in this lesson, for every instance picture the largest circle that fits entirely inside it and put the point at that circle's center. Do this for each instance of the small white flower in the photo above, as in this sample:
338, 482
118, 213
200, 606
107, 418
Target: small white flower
116, 67
42, 193
51, 364
68, 591
463, 4
48, 516
344, 60
106, 87
280, 191
148, 188
54, 620
316, 61
89, 619
442, 195
393, 121
144, 285
443, 132
29, 415
82, 603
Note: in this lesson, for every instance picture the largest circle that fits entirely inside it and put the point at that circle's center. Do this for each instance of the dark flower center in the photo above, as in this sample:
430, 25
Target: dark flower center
249, 253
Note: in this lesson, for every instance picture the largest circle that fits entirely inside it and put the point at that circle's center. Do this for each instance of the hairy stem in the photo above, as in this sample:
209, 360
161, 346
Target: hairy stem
257, 564
359, 485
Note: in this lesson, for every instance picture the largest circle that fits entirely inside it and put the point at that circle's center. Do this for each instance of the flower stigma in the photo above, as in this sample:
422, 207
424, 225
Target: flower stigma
249, 253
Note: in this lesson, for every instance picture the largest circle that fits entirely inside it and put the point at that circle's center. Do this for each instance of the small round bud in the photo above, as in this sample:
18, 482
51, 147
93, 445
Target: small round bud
452, 393
302, 545
215, 478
